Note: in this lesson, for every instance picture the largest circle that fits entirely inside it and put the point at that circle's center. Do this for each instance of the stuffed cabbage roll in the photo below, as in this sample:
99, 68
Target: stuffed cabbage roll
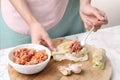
99, 58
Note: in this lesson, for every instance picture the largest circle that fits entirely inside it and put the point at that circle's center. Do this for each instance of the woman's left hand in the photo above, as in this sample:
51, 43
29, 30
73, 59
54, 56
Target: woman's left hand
92, 16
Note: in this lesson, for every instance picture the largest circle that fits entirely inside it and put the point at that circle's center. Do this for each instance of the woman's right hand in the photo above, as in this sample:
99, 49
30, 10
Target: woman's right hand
39, 34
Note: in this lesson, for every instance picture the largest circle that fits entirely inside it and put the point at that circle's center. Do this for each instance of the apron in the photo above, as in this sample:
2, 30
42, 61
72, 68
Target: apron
70, 24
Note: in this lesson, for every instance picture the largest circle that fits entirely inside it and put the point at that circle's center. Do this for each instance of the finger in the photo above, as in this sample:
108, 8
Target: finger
99, 14
50, 43
44, 43
96, 28
99, 23
36, 41
104, 17
87, 26
106, 20
89, 23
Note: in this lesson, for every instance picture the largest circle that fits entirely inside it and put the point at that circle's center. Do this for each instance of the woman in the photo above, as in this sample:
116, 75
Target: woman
46, 19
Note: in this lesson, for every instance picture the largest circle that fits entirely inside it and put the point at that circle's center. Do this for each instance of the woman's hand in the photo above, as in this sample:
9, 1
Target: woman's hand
39, 35
92, 16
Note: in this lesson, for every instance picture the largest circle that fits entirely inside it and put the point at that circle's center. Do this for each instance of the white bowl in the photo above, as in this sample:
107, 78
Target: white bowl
29, 69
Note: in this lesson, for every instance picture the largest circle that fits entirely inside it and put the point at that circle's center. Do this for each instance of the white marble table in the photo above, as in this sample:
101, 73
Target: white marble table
107, 38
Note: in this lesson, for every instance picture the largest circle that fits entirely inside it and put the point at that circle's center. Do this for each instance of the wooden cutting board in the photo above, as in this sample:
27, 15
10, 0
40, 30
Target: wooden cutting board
51, 72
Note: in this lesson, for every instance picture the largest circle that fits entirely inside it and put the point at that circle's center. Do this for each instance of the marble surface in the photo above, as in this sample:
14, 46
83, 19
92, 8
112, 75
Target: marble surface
107, 38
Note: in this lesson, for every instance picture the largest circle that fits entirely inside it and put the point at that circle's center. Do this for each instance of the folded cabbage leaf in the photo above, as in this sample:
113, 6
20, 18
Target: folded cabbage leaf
63, 53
